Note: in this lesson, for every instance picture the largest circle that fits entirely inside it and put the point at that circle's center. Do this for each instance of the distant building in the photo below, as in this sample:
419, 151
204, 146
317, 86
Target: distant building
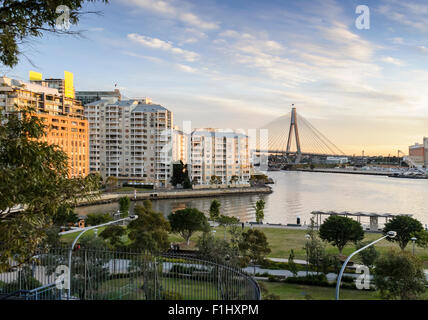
62, 114
131, 140
337, 160
91, 96
419, 153
223, 154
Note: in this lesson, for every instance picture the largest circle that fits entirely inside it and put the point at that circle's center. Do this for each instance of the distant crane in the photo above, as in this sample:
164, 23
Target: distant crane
411, 163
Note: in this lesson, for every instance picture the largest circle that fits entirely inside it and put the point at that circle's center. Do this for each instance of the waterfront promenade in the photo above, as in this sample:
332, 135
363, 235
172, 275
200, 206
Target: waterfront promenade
176, 194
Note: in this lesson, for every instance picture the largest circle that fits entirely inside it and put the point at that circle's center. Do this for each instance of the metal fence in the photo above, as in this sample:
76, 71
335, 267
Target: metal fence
126, 275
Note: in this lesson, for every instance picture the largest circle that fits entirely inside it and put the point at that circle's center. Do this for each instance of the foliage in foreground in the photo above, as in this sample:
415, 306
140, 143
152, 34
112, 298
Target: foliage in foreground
35, 175
399, 275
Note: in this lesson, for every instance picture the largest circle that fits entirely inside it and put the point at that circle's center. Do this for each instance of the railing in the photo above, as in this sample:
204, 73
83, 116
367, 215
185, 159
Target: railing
118, 275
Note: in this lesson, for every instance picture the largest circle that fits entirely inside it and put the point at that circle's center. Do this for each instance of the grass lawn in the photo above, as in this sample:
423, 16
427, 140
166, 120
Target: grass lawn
289, 291
281, 242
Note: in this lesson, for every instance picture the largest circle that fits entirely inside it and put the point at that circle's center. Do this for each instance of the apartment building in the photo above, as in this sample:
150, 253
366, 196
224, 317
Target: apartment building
219, 153
131, 140
63, 116
180, 145
419, 153
91, 96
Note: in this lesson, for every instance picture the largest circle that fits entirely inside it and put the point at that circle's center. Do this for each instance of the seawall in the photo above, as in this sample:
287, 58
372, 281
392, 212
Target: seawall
175, 194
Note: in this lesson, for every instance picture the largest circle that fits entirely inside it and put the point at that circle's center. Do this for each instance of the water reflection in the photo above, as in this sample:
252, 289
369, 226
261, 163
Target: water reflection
299, 193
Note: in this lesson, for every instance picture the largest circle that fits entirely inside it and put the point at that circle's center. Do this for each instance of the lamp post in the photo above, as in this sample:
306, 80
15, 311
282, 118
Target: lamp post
390, 234
307, 236
133, 217
413, 240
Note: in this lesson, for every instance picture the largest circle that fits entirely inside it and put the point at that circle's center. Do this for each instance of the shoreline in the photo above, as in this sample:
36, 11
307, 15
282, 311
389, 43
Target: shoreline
175, 194
370, 173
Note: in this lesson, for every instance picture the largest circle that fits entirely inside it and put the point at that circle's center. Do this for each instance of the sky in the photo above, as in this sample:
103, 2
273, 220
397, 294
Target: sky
241, 64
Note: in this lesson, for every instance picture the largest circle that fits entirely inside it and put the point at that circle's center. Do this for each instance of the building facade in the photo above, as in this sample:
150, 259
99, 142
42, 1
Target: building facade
66, 125
180, 146
131, 140
91, 96
419, 153
219, 157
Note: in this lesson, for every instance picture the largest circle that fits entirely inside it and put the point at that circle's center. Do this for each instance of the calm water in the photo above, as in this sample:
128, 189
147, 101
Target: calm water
298, 193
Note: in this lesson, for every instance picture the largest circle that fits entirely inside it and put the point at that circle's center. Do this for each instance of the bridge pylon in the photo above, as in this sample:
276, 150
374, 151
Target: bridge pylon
294, 128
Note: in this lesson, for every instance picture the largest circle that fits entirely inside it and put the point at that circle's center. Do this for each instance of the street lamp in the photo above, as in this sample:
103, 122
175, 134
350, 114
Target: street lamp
413, 239
133, 217
307, 236
390, 234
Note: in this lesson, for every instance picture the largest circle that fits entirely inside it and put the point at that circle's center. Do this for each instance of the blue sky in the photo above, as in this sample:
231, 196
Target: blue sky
240, 64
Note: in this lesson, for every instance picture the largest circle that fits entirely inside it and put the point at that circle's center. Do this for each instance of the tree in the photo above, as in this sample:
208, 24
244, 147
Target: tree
234, 179
369, 255
188, 221
150, 230
406, 227
399, 275
20, 20
215, 179
113, 234
340, 230
65, 215
111, 183
180, 175
260, 205
226, 221
215, 210
254, 246
291, 264
33, 175
124, 204
314, 248
94, 219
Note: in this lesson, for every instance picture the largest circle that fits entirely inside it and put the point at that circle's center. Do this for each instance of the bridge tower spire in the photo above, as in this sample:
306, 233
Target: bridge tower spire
294, 127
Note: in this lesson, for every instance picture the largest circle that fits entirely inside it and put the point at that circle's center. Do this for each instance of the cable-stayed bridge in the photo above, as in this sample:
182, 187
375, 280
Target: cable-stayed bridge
293, 136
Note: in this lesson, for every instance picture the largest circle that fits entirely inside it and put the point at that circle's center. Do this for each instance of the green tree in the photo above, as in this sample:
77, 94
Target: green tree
260, 215
368, 256
215, 210
291, 264
215, 179
111, 183
399, 275
150, 230
406, 228
234, 179
254, 246
33, 175
339, 230
314, 248
124, 204
20, 20
180, 175
188, 221
94, 219
65, 215
114, 234
226, 221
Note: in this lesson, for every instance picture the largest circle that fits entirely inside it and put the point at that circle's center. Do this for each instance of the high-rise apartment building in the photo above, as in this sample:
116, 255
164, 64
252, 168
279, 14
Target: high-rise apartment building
223, 154
180, 145
63, 115
131, 140
91, 96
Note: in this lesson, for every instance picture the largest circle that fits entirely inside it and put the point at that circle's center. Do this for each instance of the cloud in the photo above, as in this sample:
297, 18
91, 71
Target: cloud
186, 68
393, 61
156, 43
172, 10
407, 13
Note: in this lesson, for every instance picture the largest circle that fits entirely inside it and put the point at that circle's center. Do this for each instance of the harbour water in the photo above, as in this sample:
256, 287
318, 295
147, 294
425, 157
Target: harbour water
297, 194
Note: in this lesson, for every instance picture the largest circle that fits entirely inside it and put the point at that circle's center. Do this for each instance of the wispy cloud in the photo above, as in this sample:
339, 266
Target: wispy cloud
174, 10
156, 43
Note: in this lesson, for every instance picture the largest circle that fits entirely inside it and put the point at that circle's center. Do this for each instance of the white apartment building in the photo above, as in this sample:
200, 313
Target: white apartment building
219, 153
180, 146
131, 140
